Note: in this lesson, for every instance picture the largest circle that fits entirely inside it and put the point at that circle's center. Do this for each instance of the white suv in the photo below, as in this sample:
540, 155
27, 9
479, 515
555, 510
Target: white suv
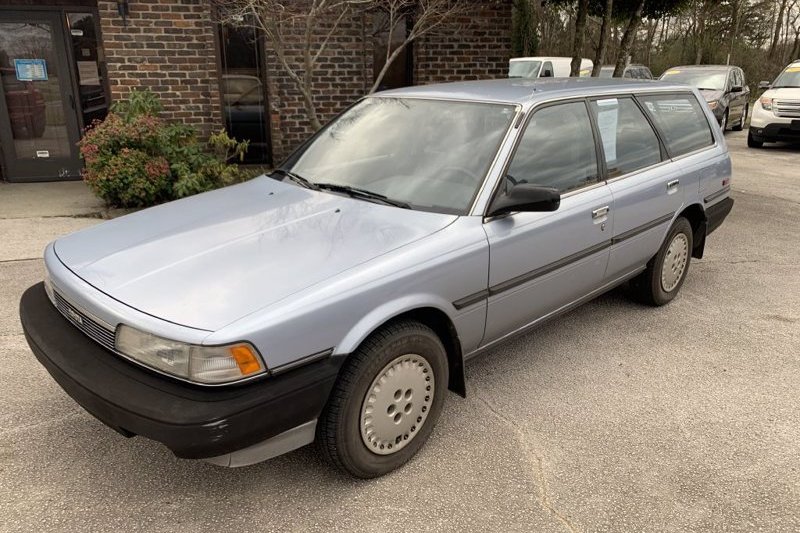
776, 115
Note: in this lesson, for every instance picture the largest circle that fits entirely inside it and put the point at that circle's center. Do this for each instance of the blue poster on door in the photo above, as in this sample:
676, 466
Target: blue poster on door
31, 69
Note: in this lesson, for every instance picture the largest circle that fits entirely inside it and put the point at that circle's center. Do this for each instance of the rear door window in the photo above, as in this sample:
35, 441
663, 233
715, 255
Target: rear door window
629, 142
547, 70
681, 120
557, 149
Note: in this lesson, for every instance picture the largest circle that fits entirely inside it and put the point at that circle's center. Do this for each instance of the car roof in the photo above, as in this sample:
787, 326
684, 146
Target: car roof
703, 67
523, 91
543, 58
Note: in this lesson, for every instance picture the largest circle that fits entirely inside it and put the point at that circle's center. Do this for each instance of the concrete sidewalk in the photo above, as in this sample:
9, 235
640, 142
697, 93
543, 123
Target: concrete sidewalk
52, 199
33, 214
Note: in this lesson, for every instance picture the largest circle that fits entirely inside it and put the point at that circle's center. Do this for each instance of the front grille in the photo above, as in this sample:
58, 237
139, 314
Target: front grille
100, 333
787, 108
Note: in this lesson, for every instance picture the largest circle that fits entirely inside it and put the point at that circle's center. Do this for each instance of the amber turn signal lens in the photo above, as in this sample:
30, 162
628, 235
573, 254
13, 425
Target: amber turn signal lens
247, 361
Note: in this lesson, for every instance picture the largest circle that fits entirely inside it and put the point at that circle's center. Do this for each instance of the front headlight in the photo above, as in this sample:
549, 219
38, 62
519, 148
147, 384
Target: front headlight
201, 364
713, 104
766, 103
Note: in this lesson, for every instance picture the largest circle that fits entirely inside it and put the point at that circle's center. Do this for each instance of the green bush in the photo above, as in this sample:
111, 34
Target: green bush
133, 158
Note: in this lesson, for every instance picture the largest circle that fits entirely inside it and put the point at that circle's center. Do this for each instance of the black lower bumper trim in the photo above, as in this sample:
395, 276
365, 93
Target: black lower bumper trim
776, 132
194, 422
716, 214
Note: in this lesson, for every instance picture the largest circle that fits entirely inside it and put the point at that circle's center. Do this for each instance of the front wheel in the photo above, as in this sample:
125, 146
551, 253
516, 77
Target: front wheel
386, 401
665, 273
723, 124
742, 120
753, 141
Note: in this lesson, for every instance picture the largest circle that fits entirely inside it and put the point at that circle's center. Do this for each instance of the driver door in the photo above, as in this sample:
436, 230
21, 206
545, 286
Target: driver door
541, 262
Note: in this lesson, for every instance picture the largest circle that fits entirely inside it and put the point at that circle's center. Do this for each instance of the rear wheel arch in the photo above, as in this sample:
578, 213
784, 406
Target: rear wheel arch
696, 216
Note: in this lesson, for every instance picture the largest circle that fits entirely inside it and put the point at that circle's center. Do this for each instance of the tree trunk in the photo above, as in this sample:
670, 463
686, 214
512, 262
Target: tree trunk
580, 35
778, 27
735, 18
700, 27
795, 48
627, 40
602, 46
651, 37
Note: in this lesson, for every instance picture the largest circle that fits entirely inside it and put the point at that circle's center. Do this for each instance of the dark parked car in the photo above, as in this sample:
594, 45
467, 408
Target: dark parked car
722, 86
634, 71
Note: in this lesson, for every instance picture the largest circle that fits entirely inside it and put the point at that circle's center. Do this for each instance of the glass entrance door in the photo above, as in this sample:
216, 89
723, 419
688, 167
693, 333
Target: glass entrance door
38, 119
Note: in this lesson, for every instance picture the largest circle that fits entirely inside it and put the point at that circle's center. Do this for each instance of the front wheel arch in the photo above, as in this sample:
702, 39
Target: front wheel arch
431, 316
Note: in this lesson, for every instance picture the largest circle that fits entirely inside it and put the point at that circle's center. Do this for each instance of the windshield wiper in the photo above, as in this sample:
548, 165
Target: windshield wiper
707, 89
296, 178
355, 192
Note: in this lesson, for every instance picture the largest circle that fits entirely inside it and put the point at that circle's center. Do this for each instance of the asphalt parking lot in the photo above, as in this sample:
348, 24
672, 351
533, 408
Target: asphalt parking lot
615, 417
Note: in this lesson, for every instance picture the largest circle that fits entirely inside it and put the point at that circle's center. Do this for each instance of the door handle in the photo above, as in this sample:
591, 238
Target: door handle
600, 212
673, 185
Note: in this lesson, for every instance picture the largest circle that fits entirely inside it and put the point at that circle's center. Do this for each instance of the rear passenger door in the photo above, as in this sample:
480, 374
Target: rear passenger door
692, 142
647, 191
541, 262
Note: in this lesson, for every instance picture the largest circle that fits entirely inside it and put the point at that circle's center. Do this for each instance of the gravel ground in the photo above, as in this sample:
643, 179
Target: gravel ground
614, 417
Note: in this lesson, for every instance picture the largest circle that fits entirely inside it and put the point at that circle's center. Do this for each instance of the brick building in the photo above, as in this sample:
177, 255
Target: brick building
63, 62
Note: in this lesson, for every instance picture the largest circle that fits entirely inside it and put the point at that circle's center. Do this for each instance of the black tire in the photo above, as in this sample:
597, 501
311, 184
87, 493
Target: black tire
647, 287
753, 141
724, 124
742, 120
338, 429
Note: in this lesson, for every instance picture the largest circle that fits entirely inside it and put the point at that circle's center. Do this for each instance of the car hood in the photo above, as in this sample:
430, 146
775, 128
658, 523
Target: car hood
788, 93
711, 95
206, 261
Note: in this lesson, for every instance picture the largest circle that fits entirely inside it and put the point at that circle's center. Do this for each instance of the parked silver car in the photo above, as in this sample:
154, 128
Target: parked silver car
338, 299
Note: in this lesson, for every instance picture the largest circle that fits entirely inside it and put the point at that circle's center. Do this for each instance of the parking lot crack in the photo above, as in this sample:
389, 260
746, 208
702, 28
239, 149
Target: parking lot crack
536, 461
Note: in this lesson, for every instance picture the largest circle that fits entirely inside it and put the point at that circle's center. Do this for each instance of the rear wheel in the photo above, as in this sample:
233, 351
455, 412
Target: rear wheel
753, 141
742, 120
387, 400
665, 273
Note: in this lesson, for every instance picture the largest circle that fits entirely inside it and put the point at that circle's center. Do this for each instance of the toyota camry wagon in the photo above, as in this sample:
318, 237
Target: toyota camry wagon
336, 300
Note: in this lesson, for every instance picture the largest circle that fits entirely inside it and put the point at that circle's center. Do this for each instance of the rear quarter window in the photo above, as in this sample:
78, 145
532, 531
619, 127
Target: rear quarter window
682, 121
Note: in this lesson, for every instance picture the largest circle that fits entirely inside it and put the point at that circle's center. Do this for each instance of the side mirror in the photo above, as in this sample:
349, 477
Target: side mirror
528, 198
764, 84
737, 89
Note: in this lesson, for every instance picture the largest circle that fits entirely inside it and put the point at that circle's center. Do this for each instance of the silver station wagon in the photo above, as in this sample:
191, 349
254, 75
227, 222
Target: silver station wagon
337, 299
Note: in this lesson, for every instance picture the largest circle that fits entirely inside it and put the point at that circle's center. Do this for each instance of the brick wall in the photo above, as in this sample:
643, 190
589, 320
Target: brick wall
340, 78
169, 47
478, 46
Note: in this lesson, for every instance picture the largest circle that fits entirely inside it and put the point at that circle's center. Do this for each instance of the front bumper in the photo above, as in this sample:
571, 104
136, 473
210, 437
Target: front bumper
193, 422
781, 131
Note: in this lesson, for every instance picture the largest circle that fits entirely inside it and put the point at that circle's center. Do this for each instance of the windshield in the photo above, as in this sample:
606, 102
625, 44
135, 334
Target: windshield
523, 69
788, 78
702, 79
430, 154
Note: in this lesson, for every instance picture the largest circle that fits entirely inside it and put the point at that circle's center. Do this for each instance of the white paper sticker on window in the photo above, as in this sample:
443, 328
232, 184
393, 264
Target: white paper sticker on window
88, 73
607, 117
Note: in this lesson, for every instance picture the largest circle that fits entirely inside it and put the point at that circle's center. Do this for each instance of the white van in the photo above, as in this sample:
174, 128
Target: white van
546, 67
